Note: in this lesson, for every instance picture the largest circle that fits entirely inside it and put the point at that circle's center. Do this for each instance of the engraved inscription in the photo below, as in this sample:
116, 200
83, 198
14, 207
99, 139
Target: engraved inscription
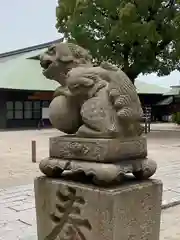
67, 219
78, 148
101, 150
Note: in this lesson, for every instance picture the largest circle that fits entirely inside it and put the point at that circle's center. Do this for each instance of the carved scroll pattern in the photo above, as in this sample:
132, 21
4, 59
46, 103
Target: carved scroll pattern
68, 221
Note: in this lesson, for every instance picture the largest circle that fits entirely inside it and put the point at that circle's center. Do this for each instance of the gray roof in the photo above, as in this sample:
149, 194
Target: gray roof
165, 102
16, 53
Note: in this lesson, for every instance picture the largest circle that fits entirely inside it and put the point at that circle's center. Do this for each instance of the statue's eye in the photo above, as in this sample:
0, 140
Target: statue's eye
51, 50
75, 86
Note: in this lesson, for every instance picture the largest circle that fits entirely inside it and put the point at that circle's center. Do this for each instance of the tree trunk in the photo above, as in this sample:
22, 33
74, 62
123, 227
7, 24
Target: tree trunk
132, 75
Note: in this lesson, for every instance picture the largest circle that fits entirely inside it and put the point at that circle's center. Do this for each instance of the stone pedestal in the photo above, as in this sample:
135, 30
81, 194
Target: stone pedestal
73, 211
97, 150
104, 160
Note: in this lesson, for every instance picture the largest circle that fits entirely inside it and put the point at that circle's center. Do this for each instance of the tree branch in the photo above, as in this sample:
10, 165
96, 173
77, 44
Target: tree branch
170, 4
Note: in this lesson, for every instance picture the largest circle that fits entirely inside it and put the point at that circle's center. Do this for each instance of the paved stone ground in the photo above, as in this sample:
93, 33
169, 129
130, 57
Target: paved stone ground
15, 157
170, 224
165, 127
17, 212
17, 168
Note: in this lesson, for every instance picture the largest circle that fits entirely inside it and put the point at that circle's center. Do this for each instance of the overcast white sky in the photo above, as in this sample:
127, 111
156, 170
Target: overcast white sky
26, 23
165, 81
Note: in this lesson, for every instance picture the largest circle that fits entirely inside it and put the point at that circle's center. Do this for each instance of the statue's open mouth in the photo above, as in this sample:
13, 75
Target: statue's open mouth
45, 64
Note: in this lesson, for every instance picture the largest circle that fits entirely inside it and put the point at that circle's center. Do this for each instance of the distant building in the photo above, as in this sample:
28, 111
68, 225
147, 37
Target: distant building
25, 93
170, 104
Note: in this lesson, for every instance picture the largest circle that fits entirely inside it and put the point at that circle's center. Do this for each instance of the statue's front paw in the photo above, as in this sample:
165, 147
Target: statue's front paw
62, 91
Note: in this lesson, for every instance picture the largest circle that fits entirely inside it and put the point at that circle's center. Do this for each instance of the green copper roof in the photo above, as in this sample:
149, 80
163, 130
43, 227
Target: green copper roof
25, 74
174, 91
146, 88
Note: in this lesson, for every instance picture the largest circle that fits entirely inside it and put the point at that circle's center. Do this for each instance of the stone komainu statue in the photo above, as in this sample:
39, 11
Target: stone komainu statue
98, 102
100, 107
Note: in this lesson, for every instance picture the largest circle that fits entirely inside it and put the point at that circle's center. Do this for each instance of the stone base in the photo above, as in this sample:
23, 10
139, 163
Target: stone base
67, 210
98, 150
101, 173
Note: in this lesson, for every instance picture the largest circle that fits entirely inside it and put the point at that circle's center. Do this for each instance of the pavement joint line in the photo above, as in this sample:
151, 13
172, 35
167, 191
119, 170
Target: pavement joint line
170, 205
175, 191
16, 200
28, 224
13, 209
19, 195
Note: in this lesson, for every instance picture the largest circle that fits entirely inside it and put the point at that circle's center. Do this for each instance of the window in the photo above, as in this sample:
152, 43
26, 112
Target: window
18, 114
18, 110
10, 112
45, 104
23, 110
9, 105
28, 105
37, 114
27, 114
37, 105
28, 110
18, 105
36, 109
